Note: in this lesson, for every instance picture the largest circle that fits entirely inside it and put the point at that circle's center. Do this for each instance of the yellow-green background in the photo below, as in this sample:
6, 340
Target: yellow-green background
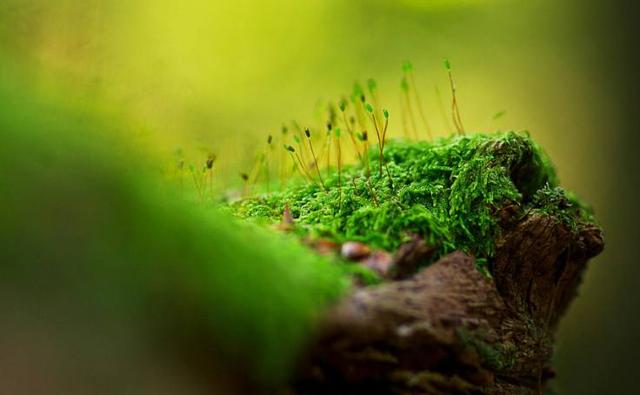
222, 74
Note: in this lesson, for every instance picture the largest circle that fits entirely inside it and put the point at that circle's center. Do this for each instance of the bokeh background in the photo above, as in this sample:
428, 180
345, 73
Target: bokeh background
220, 75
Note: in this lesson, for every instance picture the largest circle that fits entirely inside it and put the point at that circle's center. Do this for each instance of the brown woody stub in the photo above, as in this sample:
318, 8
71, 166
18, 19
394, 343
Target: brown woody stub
449, 328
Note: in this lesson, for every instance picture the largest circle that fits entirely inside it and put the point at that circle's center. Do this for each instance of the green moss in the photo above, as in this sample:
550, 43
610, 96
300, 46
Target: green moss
362, 274
497, 357
563, 205
448, 191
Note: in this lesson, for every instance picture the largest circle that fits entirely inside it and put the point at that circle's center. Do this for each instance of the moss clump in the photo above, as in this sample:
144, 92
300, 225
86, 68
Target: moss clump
495, 356
563, 205
447, 191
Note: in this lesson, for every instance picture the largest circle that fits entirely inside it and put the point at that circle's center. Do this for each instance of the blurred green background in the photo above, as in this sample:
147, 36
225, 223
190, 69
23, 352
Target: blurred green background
221, 75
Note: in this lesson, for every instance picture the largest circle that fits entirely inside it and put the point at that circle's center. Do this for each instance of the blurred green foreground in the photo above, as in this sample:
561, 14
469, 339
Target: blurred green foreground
112, 283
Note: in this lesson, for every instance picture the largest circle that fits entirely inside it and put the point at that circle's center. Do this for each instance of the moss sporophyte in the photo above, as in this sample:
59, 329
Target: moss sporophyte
448, 192
451, 192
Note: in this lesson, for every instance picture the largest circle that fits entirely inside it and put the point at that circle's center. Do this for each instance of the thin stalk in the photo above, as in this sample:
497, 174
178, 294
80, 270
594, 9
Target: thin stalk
302, 149
379, 136
254, 174
339, 158
455, 111
403, 115
351, 135
281, 158
412, 120
267, 174
210, 182
443, 112
373, 91
384, 142
268, 162
300, 165
365, 139
315, 159
386, 127
304, 170
211, 159
382, 135
326, 147
419, 105
245, 178
199, 180
353, 183
196, 182
329, 146
359, 110
180, 175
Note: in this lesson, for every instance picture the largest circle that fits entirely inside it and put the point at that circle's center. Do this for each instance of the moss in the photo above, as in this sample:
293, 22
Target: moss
447, 191
361, 274
495, 356
563, 205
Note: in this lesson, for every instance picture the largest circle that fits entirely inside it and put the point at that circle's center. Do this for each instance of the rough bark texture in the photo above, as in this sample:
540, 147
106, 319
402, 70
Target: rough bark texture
449, 329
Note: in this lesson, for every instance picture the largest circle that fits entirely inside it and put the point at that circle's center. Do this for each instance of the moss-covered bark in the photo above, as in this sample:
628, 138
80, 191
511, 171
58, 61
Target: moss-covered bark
488, 202
449, 329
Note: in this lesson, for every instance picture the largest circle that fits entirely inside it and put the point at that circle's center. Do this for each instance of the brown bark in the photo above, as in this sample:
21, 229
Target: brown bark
450, 329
